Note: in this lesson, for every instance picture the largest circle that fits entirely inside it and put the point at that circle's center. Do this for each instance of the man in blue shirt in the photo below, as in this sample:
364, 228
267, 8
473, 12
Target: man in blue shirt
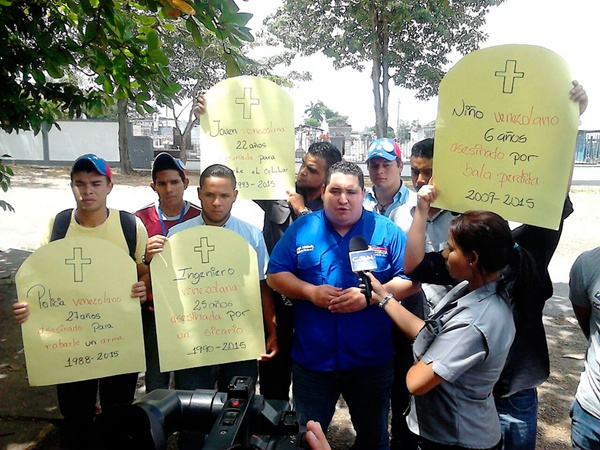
342, 345
276, 373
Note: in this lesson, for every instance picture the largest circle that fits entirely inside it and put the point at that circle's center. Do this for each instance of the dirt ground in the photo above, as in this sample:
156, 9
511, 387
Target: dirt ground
566, 342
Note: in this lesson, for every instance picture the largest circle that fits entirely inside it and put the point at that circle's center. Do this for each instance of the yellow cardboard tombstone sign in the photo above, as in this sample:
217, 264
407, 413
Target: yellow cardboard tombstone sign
83, 322
505, 134
249, 127
207, 299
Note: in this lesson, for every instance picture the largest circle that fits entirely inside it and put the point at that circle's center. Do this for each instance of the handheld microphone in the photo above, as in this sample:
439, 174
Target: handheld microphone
362, 260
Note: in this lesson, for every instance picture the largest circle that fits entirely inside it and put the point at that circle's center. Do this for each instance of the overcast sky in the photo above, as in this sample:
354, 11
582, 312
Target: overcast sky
567, 28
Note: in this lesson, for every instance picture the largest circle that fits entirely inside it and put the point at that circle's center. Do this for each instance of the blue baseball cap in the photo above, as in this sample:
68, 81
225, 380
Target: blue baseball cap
99, 164
385, 148
165, 161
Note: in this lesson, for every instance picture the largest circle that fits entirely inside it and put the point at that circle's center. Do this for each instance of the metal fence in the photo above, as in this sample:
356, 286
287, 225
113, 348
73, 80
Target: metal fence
587, 147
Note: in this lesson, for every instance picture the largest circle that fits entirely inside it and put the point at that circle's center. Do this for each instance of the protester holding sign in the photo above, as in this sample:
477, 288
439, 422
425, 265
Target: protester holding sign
217, 194
528, 364
169, 181
91, 182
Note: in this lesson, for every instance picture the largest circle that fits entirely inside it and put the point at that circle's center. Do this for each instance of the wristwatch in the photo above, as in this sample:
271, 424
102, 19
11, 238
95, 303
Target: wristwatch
385, 300
147, 263
304, 212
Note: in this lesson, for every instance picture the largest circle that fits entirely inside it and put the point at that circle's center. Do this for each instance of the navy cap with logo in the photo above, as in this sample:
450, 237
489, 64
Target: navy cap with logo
165, 161
100, 166
385, 148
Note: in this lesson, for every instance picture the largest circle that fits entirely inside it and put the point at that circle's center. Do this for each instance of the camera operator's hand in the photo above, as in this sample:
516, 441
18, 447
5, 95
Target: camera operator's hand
315, 436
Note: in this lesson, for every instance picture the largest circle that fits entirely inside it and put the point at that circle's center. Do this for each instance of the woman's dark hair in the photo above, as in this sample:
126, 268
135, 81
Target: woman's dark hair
489, 235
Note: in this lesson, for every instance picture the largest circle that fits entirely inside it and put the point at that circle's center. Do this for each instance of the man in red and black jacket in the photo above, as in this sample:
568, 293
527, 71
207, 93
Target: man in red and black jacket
169, 181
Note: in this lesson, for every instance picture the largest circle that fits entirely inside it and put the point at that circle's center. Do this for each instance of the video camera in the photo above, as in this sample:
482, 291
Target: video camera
236, 419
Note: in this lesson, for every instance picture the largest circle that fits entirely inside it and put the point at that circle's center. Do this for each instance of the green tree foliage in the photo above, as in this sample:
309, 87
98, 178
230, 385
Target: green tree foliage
403, 131
405, 41
389, 134
5, 175
116, 43
316, 113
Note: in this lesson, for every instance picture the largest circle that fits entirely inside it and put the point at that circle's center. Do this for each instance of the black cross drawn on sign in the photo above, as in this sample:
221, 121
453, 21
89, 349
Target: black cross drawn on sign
509, 75
247, 101
78, 261
204, 249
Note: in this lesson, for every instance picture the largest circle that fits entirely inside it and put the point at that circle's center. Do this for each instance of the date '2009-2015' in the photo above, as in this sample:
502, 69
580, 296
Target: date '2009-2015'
509, 200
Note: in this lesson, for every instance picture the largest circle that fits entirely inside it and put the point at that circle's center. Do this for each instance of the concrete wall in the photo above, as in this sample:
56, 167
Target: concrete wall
75, 138
78, 137
23, 145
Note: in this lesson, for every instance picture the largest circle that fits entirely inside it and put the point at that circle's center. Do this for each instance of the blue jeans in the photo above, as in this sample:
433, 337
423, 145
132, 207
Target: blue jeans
585, 428
518, 419
366, 391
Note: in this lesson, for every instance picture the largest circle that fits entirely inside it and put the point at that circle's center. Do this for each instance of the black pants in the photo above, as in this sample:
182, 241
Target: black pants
401, 437
77, 404
276, 374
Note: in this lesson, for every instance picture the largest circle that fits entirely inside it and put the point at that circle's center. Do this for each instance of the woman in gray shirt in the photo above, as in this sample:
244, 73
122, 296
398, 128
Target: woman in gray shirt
461, 349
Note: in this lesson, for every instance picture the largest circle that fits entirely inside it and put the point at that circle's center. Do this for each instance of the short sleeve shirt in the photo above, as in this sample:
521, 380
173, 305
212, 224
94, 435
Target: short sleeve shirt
110, 230
584, 291
249, 232
314, 252
467, 340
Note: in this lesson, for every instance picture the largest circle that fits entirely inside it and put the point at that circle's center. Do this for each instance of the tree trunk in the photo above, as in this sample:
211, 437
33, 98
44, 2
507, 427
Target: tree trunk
192, 122
376, 70
380, 76
384, 39
183, 134
123, 142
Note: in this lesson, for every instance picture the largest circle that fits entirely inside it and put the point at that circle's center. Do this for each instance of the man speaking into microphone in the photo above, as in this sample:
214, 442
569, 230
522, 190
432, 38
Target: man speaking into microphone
342, 344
